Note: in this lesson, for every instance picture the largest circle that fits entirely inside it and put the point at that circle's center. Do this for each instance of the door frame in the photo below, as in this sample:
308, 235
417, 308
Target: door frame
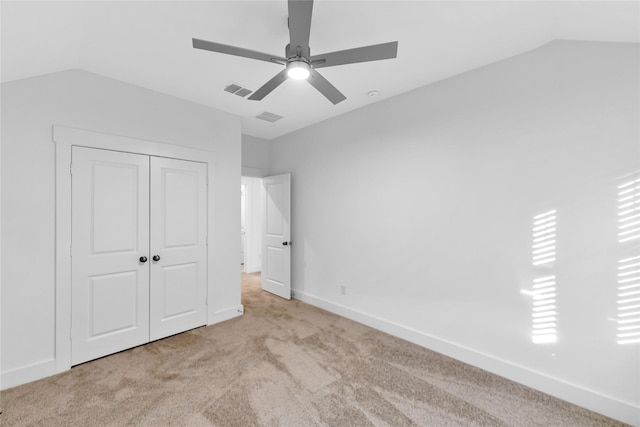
65, 138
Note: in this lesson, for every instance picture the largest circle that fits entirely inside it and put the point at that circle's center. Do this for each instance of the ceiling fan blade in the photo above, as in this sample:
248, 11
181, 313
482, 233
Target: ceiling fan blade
300, 23
269, 86
324, 87
237, 51
374, 52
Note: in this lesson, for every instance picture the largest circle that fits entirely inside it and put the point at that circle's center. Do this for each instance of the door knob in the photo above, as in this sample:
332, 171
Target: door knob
287, 243
143, 259
156, 258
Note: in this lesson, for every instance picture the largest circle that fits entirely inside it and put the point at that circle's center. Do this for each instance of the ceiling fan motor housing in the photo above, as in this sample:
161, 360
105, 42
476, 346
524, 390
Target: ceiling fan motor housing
298, 63
297, 51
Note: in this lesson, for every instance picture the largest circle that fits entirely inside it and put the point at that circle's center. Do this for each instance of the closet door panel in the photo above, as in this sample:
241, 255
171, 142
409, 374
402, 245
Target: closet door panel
110, 232
178, 210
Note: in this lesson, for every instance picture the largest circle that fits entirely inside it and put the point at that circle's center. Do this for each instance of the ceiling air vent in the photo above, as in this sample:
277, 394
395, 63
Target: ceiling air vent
236, 89
243, 92
232, 88
269, 117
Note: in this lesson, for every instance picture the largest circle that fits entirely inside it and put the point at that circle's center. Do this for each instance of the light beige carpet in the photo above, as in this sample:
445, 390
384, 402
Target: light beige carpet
284, 363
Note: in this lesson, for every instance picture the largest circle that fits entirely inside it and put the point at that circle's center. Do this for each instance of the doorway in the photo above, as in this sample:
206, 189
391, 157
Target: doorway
266, 231
251, 224
243, 215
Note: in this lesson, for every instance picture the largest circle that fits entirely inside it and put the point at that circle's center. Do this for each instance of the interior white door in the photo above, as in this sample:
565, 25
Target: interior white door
178, 246
110, 234
276, 242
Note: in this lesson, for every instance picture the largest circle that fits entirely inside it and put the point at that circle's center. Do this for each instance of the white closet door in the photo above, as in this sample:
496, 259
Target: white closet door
110, 234
178, 213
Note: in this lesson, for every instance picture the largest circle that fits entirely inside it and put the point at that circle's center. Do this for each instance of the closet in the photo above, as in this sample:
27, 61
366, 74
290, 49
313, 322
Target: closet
138, 248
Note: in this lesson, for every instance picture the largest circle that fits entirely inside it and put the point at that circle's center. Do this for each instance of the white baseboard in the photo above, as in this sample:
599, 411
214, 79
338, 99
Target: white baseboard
226, 314
28, 373
611, 407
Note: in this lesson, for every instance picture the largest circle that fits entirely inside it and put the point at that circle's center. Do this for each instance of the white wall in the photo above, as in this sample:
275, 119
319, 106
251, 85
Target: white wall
87, 101
255, 156
421, 206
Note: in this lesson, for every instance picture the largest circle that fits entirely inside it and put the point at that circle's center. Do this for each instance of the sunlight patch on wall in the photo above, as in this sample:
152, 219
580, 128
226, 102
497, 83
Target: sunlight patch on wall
629, 210
628, 272
544, 310
629, 300
544, 238
543, 253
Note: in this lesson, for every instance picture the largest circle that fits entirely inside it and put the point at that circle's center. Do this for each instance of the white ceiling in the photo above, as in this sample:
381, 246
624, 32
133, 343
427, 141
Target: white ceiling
149, 44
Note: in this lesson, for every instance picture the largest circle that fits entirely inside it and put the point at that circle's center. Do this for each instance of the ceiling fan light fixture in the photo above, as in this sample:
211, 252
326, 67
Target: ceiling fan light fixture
298, 70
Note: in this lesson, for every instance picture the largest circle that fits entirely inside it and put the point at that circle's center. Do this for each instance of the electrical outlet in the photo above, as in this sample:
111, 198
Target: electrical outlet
241, 310
343, 290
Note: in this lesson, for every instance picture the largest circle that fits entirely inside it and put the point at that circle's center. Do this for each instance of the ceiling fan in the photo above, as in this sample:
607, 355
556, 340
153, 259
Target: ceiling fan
298, 61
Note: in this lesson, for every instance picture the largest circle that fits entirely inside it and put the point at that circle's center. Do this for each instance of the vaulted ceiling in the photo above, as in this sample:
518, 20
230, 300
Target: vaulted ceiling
148, 43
